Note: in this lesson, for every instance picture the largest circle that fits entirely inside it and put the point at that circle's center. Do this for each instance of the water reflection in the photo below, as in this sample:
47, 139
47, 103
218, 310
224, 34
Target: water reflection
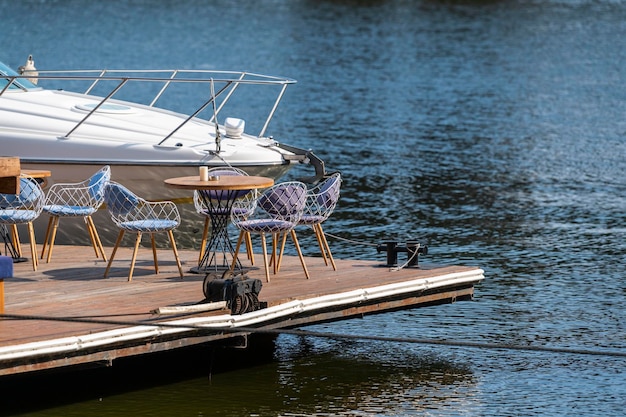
338, 377
306, 376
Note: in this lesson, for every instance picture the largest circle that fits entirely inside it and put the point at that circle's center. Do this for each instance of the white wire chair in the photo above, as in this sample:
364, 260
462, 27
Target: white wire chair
217, 199
320, 204
23, 208
134, 214
81, 199
276, 211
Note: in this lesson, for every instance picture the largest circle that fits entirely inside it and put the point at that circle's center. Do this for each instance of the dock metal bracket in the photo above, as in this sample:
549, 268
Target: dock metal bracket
412, 248
308, 157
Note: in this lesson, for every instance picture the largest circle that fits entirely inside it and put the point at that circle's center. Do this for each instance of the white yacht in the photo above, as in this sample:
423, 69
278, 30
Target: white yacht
74, 122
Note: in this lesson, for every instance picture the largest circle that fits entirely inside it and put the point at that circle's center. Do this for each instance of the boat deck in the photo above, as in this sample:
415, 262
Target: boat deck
103, 319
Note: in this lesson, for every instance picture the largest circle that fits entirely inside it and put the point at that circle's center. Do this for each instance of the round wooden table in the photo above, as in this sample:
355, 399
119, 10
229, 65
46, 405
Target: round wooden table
218, 196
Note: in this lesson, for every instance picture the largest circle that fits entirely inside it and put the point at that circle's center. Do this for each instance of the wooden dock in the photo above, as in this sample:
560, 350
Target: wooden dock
67, 314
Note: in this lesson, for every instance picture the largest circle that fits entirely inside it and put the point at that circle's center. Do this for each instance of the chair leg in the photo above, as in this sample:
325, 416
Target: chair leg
249, 249
154, 253
117, 244
320, 243
93, 235
236, 254
295, 241
325, 241
173, 242
92, 238
53, 235
33, 245
96, 238
265, 260
275, 237
205, 235
134, 258
282, 250
45, 240
15, 237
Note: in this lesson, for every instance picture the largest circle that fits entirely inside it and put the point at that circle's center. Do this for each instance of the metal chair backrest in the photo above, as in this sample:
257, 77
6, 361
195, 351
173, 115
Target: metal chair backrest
328, 194
120, 201
97, 183
30, 197
285, 200
322, 199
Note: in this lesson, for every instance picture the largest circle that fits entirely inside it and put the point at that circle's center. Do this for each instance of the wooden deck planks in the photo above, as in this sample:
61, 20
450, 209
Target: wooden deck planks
72, 285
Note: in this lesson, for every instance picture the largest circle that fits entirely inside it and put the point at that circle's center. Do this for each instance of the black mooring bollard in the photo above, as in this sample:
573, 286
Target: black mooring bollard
390, 248
412, 248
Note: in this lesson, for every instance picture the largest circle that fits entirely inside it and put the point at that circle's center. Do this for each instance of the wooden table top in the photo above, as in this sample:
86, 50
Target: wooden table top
225, 182
36, 173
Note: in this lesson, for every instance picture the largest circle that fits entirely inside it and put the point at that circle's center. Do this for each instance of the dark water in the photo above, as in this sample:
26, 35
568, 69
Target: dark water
492, 130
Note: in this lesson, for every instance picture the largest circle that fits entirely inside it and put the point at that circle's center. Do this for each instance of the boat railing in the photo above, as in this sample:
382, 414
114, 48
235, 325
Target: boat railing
223, 85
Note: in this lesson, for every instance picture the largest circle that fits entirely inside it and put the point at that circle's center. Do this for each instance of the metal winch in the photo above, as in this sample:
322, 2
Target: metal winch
240, 292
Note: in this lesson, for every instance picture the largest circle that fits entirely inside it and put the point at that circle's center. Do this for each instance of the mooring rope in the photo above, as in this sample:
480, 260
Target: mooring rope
395, 268
350, 240
325, 335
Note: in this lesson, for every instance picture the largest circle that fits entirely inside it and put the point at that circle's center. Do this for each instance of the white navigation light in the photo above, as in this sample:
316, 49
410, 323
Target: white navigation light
234, 127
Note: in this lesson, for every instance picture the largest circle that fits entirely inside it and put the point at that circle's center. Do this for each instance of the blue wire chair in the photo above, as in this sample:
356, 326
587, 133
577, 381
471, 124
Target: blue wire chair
23, 208
276, 211
321, 202
134, 214
81, 199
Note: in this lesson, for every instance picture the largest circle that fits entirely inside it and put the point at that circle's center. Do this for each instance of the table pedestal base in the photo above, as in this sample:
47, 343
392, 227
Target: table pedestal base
219, 252
9, 249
